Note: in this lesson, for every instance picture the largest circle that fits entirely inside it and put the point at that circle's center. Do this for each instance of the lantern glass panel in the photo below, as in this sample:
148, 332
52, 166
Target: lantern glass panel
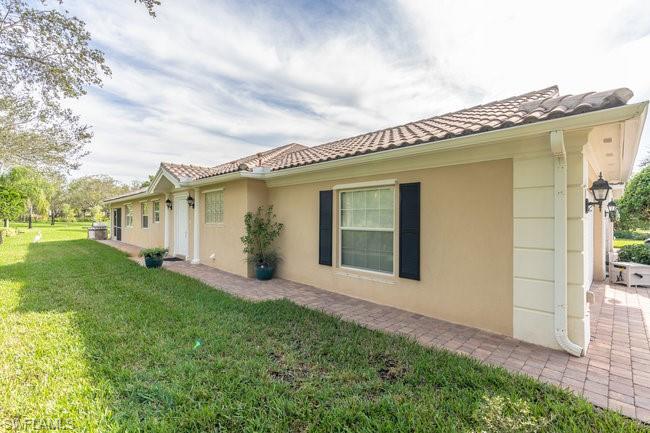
600, 189
600, 194
611, 206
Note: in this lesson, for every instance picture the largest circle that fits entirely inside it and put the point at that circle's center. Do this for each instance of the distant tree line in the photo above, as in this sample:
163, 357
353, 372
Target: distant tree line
28, 194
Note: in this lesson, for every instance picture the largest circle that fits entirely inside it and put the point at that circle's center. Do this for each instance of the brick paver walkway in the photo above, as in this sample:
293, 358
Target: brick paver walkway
615, 373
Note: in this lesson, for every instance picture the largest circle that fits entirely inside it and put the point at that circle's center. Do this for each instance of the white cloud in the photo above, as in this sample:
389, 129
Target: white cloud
209, 81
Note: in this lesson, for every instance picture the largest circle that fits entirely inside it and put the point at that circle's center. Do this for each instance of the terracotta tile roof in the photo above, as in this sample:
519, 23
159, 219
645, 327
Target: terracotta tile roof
185, 171
193, 172
530, 107
575, 104
258, 159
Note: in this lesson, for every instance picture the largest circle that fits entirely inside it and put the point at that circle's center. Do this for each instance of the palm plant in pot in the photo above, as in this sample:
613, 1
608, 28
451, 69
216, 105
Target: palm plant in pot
153, 257
261, 232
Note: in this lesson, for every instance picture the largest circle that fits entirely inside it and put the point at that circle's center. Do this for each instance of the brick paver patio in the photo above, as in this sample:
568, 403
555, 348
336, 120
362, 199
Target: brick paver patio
615, 373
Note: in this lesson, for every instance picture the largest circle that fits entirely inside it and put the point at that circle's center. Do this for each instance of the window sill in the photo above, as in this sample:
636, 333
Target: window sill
376, 277
214, 224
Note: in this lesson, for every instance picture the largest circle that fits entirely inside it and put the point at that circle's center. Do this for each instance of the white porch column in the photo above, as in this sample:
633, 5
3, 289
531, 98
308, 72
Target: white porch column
197, 218
166, 223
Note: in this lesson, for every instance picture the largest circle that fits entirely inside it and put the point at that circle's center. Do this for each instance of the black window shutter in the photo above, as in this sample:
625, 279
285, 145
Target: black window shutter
325, 229
409, 230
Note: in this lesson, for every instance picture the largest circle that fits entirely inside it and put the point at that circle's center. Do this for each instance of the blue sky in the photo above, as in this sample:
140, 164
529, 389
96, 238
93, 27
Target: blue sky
208, 81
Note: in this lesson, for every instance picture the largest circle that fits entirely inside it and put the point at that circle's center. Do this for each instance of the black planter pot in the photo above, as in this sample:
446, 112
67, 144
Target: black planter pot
153, 262
264, 272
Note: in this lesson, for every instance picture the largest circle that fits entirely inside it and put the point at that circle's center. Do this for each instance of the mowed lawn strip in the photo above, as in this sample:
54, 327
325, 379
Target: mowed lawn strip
94, 341
620, 243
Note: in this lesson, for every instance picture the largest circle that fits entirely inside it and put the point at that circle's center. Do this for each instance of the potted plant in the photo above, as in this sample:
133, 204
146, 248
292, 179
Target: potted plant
153, 257
261, 231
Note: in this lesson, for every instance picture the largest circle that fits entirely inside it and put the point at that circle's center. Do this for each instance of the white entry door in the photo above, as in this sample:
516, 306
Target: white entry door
181, 226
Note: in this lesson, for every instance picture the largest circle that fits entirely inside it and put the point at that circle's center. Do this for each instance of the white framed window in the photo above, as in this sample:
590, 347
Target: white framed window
156, 211
144, 208
366, 228
214, 207
128, 211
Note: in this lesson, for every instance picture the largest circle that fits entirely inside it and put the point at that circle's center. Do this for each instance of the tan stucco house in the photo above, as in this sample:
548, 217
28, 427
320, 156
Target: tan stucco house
476, 217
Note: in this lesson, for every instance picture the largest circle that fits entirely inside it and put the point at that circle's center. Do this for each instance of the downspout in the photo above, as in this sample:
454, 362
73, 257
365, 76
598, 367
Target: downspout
166, 215
196, 255
560, 244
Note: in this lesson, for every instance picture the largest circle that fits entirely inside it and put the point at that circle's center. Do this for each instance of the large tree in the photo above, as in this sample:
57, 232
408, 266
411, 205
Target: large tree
136, 184
634, 206
45, 57
11, 204
32, 187
55, 193
87, 192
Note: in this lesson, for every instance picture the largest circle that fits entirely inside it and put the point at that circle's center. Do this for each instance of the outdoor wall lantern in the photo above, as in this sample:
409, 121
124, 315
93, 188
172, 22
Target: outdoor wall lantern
169, 204
599, 190
190, 201
611, 210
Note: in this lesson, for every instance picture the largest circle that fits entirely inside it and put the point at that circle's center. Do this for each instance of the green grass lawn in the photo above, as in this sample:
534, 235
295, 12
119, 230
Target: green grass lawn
618, 243
93, 340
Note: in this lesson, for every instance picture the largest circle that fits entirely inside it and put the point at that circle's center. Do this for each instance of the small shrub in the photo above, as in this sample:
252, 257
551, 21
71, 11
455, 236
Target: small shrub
637, 253
261, 231
628, 234
157, 252
8, 232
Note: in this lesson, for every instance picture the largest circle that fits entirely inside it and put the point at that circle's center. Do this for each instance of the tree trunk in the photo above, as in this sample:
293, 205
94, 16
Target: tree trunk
30, 216
6, 223
52, 219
